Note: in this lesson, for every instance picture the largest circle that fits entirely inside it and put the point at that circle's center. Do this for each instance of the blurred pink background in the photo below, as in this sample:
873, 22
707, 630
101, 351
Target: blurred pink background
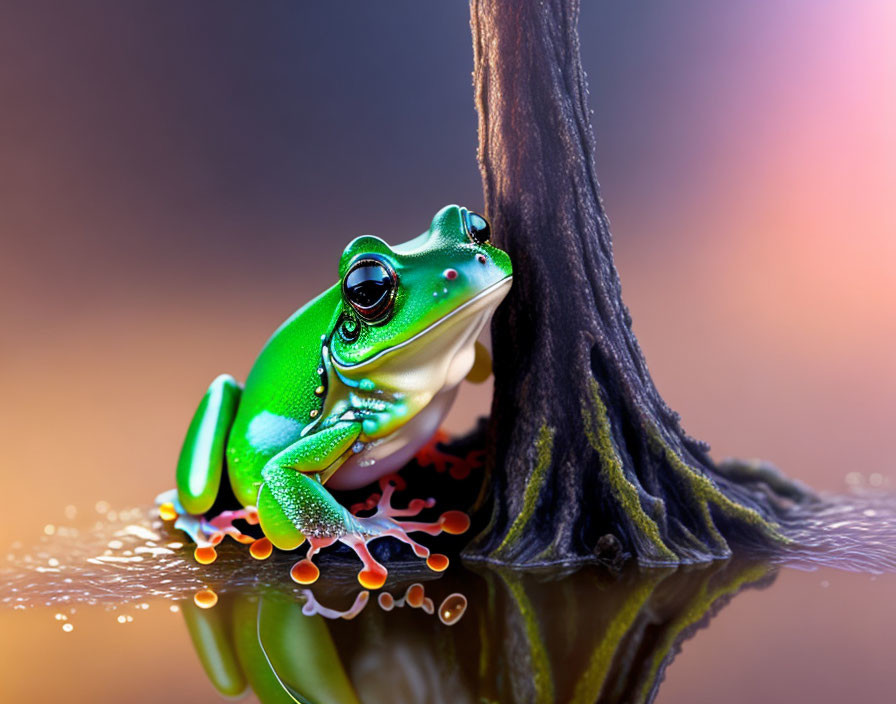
176, 179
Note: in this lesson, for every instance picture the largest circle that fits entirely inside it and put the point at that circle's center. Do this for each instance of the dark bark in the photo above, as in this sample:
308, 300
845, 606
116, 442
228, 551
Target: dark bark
587, 455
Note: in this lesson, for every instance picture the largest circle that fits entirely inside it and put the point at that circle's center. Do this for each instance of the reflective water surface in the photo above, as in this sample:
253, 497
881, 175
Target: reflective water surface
120, 610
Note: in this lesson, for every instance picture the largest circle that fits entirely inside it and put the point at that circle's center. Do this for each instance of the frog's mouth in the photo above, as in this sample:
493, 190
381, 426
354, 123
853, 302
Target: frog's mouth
441, 339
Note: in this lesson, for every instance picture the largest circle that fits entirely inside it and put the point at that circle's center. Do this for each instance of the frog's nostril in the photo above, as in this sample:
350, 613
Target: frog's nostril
481, 258
450, 274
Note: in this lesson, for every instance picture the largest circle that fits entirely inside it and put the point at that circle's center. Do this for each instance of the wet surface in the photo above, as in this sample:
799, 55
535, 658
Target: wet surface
114, 606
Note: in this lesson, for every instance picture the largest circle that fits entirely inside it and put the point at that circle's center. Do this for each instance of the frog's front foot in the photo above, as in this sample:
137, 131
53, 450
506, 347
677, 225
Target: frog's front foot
361, 530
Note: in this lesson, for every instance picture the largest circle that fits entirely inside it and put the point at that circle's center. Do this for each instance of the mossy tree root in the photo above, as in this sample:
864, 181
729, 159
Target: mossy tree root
588, 460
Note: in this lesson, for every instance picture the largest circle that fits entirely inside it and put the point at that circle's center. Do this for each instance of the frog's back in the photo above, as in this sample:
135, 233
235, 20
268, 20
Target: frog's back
280, 397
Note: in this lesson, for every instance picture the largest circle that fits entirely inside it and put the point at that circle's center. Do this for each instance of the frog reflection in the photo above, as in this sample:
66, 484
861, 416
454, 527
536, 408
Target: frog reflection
587, 637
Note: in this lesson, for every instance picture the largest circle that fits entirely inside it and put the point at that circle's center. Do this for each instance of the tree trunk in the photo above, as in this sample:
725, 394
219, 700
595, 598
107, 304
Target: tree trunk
588, 460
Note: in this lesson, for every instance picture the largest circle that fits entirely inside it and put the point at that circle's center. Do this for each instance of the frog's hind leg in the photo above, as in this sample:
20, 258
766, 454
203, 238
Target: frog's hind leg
201, 461
199, 470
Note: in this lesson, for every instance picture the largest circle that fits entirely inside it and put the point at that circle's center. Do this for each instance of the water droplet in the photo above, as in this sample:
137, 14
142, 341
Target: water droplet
452, 608
67, 627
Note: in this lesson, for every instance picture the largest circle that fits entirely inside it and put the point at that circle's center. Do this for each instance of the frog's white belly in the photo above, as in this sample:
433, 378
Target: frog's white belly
391, 453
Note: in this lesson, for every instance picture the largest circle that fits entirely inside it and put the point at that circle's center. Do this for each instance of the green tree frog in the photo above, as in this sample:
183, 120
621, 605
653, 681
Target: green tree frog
345, 392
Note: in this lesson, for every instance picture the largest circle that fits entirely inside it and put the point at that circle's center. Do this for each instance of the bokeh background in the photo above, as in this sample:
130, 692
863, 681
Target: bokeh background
176, 178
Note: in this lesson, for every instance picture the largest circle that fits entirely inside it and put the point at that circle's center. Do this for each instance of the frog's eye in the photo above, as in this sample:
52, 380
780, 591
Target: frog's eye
477, 227
369, 287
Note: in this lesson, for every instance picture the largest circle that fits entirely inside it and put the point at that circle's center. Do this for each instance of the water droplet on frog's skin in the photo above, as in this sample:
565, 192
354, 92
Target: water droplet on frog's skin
452, 608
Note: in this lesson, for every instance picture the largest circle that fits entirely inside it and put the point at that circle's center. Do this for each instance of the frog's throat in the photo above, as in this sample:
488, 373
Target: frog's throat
487, 299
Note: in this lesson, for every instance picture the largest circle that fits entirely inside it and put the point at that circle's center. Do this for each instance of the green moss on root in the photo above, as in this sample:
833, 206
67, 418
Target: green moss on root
705, 494
597, 430
544, 444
